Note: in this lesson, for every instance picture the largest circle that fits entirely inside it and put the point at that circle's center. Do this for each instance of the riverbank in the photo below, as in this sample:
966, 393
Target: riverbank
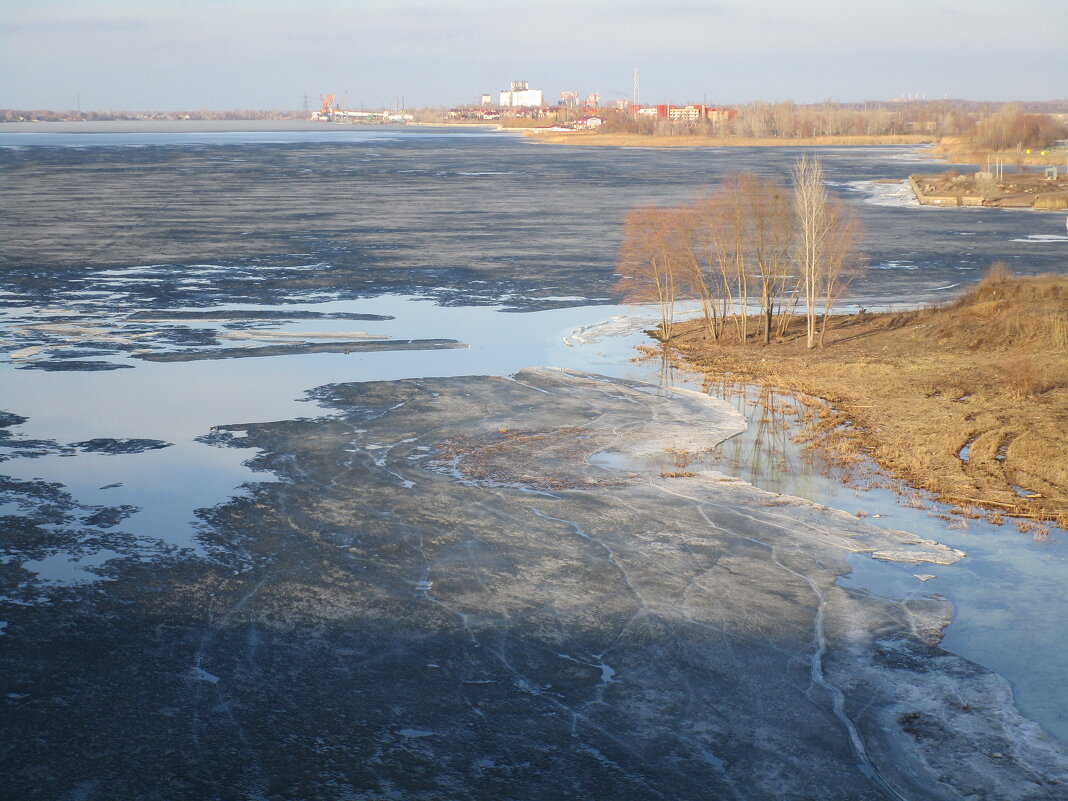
960, 150
595, 138
953, 150
968, 401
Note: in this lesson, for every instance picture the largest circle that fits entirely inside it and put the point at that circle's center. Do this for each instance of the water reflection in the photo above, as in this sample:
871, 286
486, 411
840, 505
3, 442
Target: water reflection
761, 452
1008, 593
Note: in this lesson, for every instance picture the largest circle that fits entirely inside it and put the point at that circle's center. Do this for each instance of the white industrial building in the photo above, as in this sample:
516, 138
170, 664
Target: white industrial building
521, 95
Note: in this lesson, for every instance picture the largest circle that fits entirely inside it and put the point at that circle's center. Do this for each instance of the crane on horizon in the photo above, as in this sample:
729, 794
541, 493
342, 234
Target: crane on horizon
325, 104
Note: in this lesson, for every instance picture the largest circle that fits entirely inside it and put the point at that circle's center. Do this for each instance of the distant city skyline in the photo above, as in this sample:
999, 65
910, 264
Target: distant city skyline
260, 54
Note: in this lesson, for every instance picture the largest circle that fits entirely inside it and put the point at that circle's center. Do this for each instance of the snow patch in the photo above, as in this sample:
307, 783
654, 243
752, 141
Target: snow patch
1042, 238
415, 733
202, 675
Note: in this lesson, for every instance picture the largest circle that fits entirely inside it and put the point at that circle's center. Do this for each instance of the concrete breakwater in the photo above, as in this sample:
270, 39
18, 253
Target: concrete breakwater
1028, 191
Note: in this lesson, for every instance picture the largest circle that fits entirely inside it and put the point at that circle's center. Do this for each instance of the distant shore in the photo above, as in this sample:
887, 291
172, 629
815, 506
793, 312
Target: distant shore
954, 150
597, 139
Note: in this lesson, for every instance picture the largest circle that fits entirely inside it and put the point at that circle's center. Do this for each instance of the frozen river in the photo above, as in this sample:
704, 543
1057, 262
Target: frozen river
148, 255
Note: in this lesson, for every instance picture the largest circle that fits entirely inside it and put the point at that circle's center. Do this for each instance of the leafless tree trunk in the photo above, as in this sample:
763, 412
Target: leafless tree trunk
712, 224
770, 242
828, 239
810, 209
647, 272
694, 268
842, 260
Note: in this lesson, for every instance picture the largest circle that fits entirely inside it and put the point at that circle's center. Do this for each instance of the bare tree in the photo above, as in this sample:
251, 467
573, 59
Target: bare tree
735, 232
769, 242
723, 231
694, 269
712, 223
810, 204
734, 245
743, 241
647, 271
828, 240
842, 260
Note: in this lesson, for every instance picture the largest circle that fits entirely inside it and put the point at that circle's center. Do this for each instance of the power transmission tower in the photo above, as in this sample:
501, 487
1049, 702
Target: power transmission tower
304, 105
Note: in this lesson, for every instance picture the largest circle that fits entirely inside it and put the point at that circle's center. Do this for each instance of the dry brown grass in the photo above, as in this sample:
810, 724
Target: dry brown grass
959, 150
594, 138
989, 370
1003, 311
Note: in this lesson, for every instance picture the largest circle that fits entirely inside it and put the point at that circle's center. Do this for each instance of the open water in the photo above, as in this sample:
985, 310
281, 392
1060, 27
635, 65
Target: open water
501, 244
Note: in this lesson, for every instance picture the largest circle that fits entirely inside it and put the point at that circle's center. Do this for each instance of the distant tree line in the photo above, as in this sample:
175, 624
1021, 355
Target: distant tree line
1010, 128
1031, 124
753, 254
987, 126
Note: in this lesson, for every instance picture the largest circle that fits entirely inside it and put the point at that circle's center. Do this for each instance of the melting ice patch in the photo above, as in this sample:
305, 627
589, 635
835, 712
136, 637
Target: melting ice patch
415, 733
615, 326
199, 674
878, 193
894, 265
1042, 238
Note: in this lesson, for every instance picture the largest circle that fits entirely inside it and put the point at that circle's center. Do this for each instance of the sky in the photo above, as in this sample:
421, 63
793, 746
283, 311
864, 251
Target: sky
270, 54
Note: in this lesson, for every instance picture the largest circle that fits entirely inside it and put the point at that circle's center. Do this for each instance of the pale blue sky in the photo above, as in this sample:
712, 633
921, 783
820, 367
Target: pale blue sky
168, 54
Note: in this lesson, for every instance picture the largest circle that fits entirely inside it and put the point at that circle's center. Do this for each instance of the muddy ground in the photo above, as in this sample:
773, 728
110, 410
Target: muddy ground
486, 588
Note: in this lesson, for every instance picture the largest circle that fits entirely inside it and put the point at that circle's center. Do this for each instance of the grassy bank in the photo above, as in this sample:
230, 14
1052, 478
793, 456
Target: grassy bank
961, 150
595, 138
967, 400
955, 150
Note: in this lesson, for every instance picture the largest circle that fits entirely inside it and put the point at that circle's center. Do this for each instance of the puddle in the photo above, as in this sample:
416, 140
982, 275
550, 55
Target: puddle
616, 461
66, 568
965, 453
